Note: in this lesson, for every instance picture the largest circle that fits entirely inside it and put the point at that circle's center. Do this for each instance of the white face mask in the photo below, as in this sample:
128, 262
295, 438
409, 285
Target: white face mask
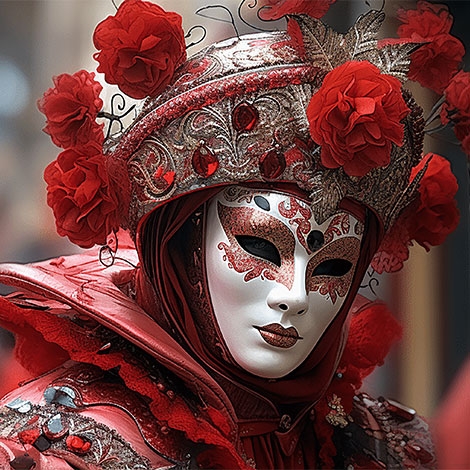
276, 278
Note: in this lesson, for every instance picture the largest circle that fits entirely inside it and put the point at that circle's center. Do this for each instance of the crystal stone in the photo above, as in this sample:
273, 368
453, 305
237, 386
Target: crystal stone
272, 164
244, 117
205, 163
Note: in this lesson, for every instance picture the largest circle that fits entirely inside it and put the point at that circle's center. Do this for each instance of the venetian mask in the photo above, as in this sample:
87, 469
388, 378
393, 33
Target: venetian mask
276, 277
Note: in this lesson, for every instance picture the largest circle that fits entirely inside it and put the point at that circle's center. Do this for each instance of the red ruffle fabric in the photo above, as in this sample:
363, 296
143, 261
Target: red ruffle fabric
53, 339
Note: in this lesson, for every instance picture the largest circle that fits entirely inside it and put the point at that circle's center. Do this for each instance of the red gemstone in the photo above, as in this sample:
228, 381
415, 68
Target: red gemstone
205, 163
401, 410
272, 164
55, 428
28, 436
244, 117
77, 444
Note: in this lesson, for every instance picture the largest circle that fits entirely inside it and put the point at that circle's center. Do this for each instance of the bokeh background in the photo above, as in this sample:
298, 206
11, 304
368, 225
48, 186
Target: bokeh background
43, 38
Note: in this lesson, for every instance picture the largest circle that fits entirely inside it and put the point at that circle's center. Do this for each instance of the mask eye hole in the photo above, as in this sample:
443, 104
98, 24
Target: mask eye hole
333, 267
259, 247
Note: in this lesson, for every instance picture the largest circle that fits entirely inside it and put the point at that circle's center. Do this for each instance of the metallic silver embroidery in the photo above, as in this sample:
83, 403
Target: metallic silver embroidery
108, 449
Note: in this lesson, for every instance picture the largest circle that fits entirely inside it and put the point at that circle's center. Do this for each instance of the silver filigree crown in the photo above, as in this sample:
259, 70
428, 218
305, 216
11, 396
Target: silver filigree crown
236, 113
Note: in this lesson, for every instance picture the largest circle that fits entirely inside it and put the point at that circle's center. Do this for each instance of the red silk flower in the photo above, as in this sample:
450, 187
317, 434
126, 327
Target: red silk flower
441, 54
456, 107
428, 220
79, 195
275, 9
427, 21
434, 64
71, 109
140, 47
394, 248
437, 215
355, 116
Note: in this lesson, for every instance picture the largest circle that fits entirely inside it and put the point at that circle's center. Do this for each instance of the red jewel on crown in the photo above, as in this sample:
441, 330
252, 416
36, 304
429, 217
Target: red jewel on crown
205, 162
272, 164
244, 117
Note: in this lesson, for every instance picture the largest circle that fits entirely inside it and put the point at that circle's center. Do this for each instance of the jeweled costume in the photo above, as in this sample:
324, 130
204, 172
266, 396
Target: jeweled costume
134, 373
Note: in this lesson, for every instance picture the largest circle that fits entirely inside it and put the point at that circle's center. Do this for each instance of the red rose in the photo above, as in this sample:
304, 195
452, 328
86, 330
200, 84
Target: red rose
427, 21
436, 61
140, 48
80, 197
427, 220
71, 109
434, 64
437, 214
275, 9
456, 107
355, 116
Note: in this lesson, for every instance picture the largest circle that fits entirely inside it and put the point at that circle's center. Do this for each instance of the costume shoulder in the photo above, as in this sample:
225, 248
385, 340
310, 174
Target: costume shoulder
74, 308
80, 292
79, 416
383, 433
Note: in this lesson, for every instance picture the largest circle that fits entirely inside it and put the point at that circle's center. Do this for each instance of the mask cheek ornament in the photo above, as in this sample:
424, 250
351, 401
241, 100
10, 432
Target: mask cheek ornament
276, 278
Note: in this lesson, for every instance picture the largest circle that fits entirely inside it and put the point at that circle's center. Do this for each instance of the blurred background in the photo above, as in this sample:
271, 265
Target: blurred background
43, 38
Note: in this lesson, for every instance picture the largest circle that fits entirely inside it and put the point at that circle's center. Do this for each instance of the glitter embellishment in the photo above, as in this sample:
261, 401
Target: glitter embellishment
252, 222
299, 215
346, 248
336, 416
102, 447
338, 226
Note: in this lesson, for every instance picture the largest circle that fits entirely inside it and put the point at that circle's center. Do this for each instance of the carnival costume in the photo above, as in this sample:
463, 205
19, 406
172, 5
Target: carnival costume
308, 132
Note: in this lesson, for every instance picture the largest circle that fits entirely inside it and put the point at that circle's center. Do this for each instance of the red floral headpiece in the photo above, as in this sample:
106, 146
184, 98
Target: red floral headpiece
324, 110
140, 48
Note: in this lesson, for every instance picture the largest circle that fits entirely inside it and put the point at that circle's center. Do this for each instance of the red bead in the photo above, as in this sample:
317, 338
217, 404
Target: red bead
244, 117
77, 444
400, 410
272, 164
205, 163
28, 436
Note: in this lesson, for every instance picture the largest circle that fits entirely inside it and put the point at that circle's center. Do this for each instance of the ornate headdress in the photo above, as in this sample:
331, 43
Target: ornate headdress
323, 110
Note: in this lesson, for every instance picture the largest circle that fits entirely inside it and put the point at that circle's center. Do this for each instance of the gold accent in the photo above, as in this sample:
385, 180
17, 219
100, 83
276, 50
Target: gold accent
337, 416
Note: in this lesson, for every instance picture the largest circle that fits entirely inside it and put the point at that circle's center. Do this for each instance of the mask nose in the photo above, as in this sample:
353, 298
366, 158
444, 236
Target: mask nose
293, 307
292, 301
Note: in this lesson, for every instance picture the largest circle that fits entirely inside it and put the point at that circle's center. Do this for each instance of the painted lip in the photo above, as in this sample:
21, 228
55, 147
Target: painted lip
276, 335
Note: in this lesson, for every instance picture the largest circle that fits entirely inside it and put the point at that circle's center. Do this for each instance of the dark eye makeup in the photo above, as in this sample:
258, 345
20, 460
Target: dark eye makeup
259, 247
333, 267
